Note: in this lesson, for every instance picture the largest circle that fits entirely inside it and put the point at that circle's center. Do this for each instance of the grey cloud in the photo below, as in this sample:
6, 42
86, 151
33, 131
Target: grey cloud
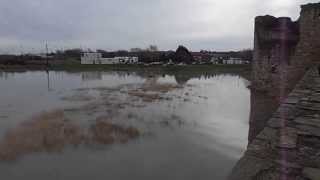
121, 24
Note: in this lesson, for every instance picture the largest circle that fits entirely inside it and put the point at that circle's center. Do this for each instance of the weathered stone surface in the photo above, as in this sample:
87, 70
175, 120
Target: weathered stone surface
308, 121
308, 156
292, 165
308, 105
276, 122
311, 173
288, 138
315, 98
278, 66
314, 131
292, 100
249, 167
268, 133
290, 144
262, 149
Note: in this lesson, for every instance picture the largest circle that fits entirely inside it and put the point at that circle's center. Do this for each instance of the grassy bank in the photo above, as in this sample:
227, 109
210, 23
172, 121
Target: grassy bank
123, 67
243, 70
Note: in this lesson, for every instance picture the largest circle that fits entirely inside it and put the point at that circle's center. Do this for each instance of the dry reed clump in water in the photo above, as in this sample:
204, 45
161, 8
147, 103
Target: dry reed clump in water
44, 132
51, 132
107, 133
155, 90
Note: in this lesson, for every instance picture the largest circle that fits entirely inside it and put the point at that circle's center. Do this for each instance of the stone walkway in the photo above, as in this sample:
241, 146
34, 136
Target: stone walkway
289, 146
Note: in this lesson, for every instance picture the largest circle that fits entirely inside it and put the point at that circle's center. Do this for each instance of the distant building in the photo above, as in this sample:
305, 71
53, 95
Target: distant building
127, 60
216, 60
91, 58
235, 61
96, 58
109, 61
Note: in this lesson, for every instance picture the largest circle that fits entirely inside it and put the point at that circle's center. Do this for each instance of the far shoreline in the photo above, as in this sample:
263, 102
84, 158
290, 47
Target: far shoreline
203, 68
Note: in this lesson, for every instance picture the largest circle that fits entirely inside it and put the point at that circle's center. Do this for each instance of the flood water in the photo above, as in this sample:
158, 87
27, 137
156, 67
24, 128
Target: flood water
189, 127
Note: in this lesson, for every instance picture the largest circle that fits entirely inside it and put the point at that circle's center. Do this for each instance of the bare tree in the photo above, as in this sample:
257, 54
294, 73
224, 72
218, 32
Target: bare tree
152, 48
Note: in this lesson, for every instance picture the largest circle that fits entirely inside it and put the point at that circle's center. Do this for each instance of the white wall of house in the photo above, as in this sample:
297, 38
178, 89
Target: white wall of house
109, 61
96, 58
127, 60
234, 61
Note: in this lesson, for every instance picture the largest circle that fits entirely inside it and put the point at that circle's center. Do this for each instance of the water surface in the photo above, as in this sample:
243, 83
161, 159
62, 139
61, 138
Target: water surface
191, 127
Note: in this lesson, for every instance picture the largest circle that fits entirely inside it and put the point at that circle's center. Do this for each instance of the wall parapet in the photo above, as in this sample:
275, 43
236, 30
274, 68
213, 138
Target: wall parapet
283, 49
288, 147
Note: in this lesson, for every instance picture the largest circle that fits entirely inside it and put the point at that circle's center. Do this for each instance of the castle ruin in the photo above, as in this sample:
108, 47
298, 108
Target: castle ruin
284, 145
283, 49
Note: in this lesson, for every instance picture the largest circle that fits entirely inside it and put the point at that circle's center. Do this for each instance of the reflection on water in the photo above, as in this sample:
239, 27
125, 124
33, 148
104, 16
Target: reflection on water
89, 76
262, 108
121, 125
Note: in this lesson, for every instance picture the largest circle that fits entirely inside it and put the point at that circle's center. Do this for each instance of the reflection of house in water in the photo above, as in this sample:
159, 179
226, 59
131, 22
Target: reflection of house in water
124, 74
5, 75
262, 108
90, 76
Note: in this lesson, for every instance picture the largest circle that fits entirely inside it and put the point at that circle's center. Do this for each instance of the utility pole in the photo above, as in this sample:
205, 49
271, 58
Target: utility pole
47, 53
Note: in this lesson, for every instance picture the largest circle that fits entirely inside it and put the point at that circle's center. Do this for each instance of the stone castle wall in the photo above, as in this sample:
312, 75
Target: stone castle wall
288, 147
283, 51
284, 48
284, 144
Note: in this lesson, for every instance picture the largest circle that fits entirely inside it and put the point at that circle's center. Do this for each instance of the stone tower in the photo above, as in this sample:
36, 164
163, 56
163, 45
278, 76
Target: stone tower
309, 45
283, 49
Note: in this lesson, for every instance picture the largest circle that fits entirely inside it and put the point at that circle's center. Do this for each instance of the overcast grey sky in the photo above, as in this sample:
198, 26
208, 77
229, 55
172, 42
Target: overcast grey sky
121, 24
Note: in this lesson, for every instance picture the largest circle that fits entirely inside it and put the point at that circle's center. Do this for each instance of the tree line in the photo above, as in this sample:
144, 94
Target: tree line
146, 55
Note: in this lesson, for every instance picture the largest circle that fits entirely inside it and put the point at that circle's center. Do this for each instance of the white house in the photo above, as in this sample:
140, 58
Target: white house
127, 60
109, 61
234, 61
96, 58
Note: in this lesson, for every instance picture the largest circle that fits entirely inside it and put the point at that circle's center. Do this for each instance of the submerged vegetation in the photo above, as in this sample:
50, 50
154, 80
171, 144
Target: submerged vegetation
52, 132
